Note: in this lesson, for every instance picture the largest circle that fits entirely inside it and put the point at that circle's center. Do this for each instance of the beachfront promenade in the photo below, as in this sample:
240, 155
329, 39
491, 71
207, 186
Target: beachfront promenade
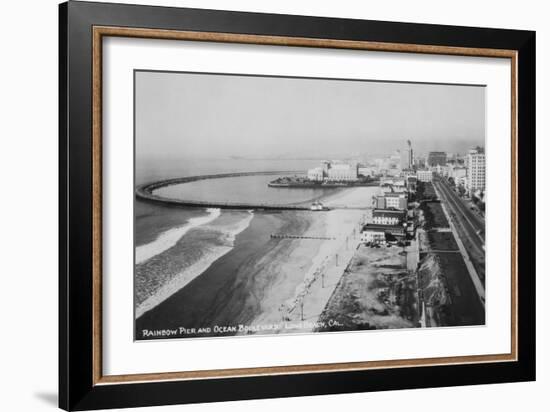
319, 284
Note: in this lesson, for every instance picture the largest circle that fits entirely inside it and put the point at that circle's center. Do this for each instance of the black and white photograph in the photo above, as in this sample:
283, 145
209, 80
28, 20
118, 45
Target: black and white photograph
221, 206
272, 205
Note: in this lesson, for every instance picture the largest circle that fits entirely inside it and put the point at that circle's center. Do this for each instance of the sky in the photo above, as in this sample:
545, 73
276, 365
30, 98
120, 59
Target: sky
186, 115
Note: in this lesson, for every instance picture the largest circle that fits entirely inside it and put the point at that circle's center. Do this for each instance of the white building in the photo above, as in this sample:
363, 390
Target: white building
424, 175
407, 157
334, 172
396, 200
316, 174
342, 172
388, 217
476, 171
373, 235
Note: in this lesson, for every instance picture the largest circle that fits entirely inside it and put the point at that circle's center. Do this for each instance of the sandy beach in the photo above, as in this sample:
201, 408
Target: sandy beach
309, 271
299, 309
266, 284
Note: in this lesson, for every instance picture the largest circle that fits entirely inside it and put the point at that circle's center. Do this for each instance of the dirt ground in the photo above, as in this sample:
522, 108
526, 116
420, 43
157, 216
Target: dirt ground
376, 292
449, 295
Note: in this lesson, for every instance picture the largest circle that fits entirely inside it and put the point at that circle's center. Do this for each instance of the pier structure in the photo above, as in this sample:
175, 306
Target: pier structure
283, 236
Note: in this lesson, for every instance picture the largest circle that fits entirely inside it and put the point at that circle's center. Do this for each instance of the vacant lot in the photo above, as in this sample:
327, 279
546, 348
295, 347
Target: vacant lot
376, 292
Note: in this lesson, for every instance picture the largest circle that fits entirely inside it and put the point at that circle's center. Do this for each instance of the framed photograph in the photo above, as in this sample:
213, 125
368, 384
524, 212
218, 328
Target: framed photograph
256, 205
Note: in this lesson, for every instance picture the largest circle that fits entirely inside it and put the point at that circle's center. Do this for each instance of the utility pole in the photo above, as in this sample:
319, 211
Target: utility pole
302, 309
337, 259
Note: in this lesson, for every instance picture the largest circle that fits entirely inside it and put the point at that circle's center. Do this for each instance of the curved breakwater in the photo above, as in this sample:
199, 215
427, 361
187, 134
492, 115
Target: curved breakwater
146, 192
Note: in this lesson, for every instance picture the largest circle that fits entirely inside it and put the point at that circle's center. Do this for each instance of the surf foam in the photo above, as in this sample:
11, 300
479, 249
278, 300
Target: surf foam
194, 270
168, 239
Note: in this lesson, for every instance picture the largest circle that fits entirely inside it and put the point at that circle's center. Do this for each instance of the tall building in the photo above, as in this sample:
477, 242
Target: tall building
407, 156
437, 159
476, 170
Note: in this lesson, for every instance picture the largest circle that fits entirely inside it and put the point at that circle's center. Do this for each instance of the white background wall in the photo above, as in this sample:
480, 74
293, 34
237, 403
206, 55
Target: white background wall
28, 206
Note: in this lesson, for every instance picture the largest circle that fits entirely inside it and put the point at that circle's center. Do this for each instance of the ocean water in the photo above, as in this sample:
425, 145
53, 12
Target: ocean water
195, 247
174, 246
252, 189
170, 237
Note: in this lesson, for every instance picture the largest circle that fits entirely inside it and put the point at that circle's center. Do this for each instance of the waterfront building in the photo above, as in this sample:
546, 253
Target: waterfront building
407, 158
334, 172
390, 217
380, 202
372, 233
342, 172
395, 200
400, 184
476, 170
437, 159
397, 182
424, 175
316, 174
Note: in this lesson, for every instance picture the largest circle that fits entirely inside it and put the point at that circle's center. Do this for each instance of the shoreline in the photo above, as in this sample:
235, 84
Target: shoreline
251, 284
305, 305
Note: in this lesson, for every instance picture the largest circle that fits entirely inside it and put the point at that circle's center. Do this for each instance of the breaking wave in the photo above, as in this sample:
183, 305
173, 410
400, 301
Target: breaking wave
210, 253
168, 239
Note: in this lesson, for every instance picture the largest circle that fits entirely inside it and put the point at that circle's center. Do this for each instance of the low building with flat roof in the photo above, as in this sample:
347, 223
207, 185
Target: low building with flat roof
373, 233
390, 217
